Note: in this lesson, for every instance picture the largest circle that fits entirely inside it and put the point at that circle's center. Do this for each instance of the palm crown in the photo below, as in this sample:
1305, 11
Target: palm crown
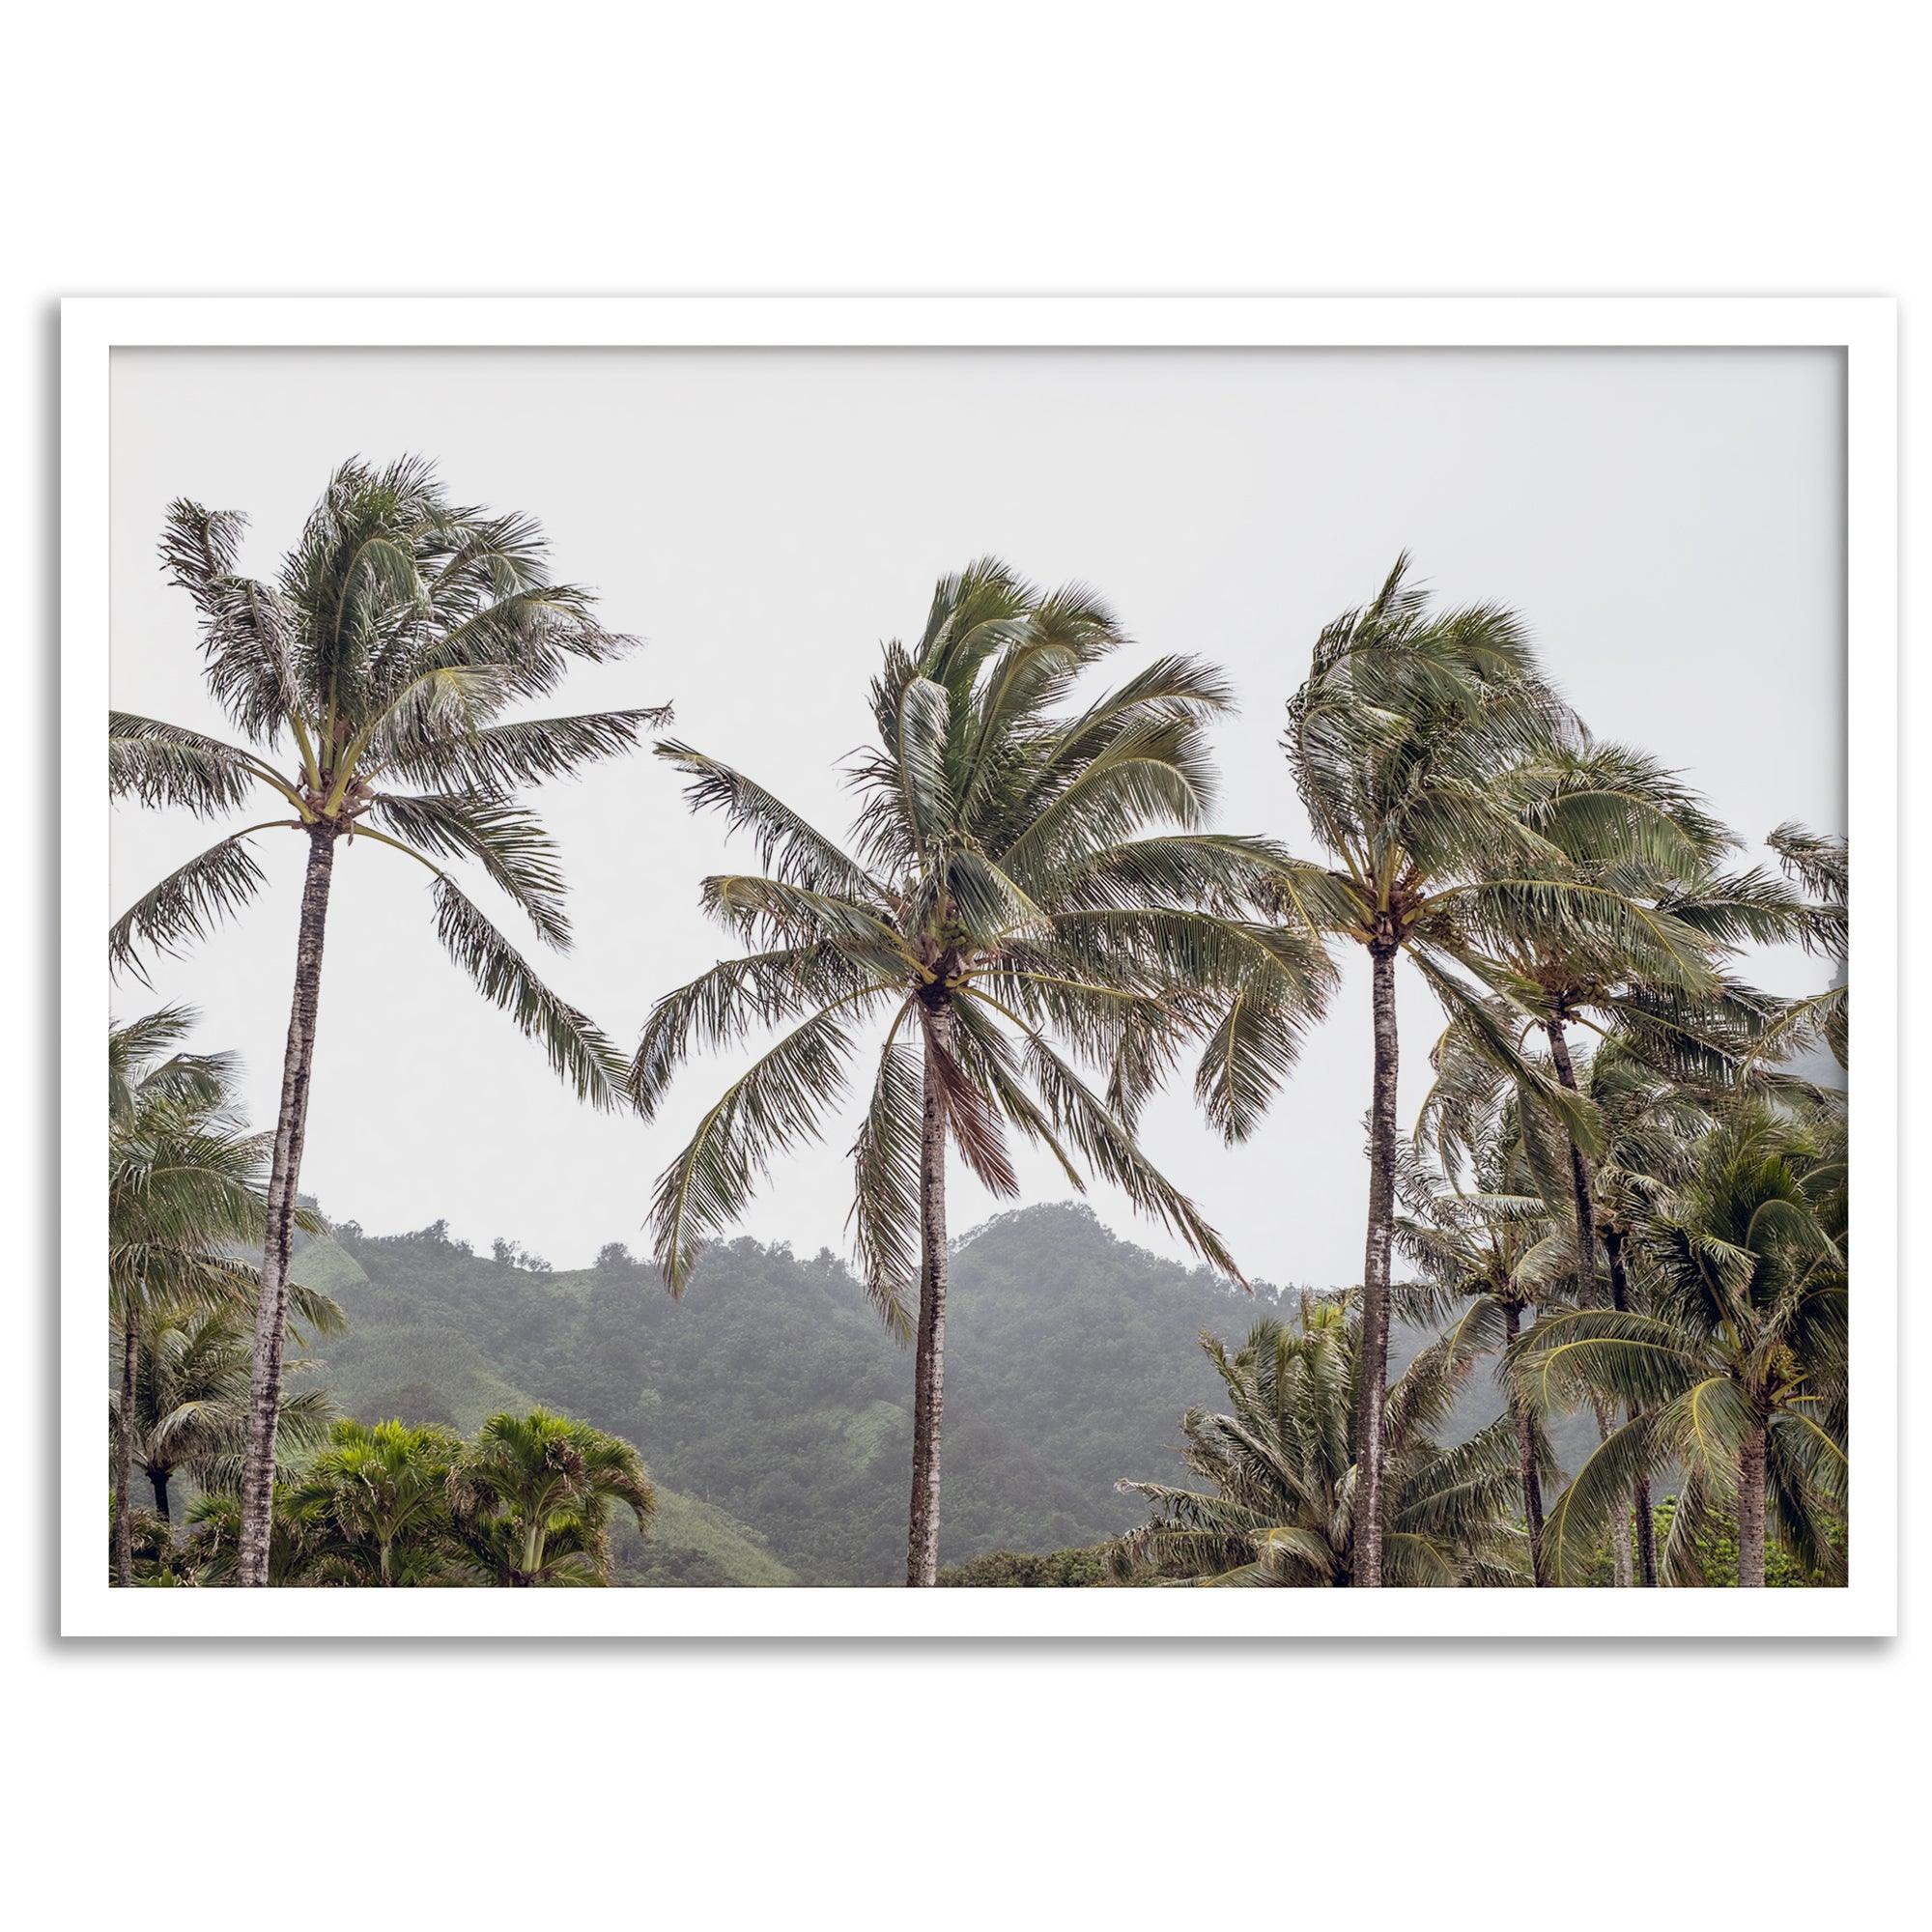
1008, 914
368, 685
1284, 1491
533, 1496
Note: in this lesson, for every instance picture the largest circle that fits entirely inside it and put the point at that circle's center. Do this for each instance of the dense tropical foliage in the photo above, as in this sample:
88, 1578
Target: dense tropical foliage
1600, 1334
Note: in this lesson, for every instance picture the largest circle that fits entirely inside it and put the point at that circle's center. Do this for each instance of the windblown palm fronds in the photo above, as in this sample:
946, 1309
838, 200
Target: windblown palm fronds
1401, 741
1283, 1492
1735, 1371
1033, 909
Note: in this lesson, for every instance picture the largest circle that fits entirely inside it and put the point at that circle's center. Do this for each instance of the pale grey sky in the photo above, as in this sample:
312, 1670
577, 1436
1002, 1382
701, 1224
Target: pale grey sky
1669, 523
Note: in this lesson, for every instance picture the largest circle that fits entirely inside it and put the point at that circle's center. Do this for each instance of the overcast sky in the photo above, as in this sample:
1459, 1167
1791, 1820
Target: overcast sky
1670, 525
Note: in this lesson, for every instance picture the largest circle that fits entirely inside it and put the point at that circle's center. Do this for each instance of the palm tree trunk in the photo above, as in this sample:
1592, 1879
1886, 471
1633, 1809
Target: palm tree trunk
929, 1369
1750, 1510
1586, 1254
158, 1481
1646, 1526
1373, 1380
123, 1458
1579, 1168
264, 1387
1525, 1461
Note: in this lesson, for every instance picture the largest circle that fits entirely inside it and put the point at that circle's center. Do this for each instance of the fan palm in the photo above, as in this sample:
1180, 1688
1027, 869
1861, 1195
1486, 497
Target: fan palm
1029, 888
1736, 1372
1284, 1496
401, 629
533, 1495
1400, 741
184, 1197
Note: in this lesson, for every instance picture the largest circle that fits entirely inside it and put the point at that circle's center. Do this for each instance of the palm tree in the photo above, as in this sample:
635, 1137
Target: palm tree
373, 1507
1027, 882
1737, 1372
1284, 1496
1635, 944
184, 1195
1398, 741
1494, 1250
400, 630
533, 1496
191, 1395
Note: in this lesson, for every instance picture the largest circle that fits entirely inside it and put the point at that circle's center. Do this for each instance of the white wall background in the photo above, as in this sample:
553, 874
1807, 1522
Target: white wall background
1484, 148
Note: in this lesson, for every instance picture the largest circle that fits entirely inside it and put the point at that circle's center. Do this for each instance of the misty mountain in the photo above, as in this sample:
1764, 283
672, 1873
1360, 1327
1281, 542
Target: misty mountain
774, 1408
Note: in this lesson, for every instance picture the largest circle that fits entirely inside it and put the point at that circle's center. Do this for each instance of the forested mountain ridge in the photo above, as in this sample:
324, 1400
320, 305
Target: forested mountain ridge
774, 1410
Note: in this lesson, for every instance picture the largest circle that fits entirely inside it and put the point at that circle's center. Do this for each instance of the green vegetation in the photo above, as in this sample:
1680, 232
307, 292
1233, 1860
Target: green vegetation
1028, 880
1624, 1206
771, 1394
1014, 1570
394, 1505
183, 1192
1284, 1492
400, 629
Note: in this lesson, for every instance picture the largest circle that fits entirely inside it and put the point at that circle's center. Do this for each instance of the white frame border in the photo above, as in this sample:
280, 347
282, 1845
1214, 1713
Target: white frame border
1864, 328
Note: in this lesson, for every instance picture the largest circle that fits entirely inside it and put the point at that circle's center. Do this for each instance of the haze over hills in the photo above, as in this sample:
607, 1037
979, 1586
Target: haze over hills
772, 1407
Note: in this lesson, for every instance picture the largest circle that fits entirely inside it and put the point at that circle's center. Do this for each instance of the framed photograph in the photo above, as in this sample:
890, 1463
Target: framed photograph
953, 967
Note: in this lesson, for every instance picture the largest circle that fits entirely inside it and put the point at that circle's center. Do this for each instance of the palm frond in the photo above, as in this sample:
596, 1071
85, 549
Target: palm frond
189, 903
578, 1050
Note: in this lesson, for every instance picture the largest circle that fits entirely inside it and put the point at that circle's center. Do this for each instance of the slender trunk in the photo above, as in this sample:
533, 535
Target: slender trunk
929, 1369
1373, 1379
123, 1458
1586, 1255
1646, 1526
265, 1388
1525, 1461
1750, 1510
158, 1481
1579, 1168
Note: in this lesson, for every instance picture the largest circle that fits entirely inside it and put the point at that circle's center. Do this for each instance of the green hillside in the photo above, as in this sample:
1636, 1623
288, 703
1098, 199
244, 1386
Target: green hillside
773, 1409
409, 1360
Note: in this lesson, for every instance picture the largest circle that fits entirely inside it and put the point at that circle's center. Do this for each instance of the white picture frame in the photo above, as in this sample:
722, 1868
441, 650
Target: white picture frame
1865, 331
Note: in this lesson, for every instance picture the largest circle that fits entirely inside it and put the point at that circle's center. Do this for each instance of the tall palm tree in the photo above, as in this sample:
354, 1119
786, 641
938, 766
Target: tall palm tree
1284, 1496
1029, 888
184, 1197
1737, 1373
1398, 741
400, 631
533, 1495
